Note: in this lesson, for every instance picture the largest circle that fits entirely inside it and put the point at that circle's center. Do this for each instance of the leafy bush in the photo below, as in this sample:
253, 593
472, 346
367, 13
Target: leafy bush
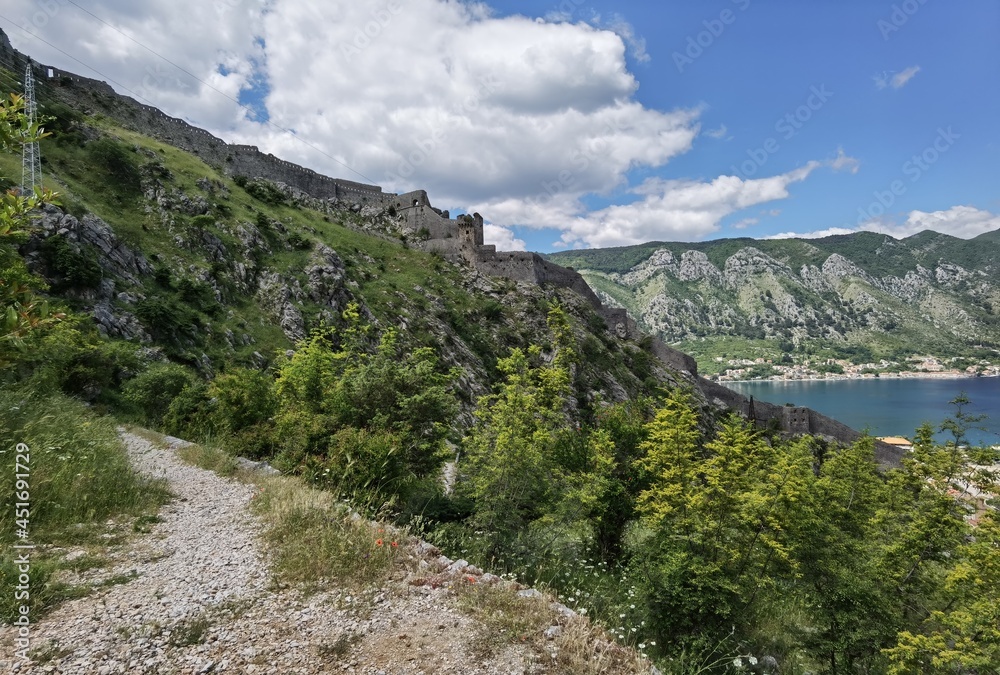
72, 358
148, 396
166, 319
76, 268
119, 166
265, 191
189, 414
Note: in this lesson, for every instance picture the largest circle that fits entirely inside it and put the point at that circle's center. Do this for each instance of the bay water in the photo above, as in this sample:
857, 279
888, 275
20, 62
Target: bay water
889, 406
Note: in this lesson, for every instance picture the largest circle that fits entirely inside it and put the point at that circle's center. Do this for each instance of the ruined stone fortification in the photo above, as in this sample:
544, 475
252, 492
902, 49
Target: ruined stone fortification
460, 238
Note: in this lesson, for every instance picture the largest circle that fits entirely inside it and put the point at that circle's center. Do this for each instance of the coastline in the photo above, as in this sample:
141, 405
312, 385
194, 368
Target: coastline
905, 375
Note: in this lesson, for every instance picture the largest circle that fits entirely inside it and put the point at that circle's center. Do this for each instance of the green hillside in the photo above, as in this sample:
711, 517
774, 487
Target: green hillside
856, 296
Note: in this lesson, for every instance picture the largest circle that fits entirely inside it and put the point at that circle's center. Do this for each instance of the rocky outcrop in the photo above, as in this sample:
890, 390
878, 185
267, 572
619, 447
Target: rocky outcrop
115, 257
696, 266
275, 295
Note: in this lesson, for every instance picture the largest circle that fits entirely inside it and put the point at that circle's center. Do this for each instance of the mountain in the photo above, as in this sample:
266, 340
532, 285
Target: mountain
863, 296
219, 256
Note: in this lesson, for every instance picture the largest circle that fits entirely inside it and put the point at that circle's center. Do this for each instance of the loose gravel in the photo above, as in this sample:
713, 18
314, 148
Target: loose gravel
196, 596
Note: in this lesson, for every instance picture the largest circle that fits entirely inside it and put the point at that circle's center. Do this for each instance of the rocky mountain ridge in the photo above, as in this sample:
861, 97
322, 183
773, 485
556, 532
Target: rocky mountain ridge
929, 293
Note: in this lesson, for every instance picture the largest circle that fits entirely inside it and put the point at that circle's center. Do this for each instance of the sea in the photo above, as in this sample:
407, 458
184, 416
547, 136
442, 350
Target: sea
889, 406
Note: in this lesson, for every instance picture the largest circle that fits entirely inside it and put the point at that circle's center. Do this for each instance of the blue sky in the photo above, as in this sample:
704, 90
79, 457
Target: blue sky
577, 123
764, 62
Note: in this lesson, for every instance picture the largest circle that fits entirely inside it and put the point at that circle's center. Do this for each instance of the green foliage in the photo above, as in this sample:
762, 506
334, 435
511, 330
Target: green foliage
148, 396
334, 382
77, 269
21, 311
530, 475
119, 166
71, 357
78, 477
265, 191
963, 636
64, 123
167, 319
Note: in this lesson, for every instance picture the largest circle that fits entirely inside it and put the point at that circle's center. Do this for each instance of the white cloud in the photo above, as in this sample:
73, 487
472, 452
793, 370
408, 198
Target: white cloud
964, 222
895, 80
745, 223
843, 162
503, 238
719, 133
958, 221
431, 94
203, 39
660, 210
625, 30
520, 119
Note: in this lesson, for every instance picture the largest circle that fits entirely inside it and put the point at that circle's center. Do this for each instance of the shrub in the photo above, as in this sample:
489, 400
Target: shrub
266, 192
76, 268
189, 414
118, 165
244, 398
71, 358
149, 395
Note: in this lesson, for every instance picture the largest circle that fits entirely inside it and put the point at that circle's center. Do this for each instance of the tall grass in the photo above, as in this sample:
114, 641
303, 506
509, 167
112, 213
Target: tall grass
78, 477
315, 538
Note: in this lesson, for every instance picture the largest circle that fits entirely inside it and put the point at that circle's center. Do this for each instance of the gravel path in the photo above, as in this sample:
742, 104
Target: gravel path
202, 601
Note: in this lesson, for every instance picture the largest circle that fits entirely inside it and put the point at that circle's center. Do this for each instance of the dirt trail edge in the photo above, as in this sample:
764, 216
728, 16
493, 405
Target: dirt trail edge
195, 595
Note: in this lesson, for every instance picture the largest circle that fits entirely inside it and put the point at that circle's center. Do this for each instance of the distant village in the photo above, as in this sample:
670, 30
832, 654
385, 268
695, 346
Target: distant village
842, 369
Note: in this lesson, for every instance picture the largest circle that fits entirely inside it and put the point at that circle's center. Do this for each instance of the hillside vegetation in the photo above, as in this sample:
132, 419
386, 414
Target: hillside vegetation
862, 296
502, 422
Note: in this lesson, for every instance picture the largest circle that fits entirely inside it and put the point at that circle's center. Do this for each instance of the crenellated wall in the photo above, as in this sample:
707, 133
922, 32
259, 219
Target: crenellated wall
233, 160
459, 238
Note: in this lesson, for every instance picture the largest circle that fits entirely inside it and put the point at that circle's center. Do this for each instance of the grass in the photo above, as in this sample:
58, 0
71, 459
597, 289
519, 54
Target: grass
77, 478
191, 631
312, 537
577, 647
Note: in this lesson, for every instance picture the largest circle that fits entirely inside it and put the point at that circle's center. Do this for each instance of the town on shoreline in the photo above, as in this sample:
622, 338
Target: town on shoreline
928, 367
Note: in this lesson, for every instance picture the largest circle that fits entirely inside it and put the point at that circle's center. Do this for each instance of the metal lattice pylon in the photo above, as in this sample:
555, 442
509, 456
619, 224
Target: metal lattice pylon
31, 158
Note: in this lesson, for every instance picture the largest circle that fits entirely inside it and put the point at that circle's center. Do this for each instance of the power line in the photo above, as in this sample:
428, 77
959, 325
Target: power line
190, 74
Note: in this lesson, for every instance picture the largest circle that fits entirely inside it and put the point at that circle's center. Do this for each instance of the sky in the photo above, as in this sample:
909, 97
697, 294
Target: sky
583, 123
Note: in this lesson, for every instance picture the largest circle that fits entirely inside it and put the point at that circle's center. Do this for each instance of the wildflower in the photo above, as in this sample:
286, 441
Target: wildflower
378, 542
394, 544
471, 579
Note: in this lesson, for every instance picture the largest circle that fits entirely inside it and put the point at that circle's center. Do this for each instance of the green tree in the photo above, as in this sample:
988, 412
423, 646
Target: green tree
335, 381
21, 310
528, 463
963, 636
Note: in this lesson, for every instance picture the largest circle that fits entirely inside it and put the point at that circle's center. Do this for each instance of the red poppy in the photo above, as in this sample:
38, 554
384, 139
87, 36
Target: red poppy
393, 544
378, 542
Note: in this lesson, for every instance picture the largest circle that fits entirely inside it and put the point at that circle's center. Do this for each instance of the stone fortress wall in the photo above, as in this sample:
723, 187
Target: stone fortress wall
458, 238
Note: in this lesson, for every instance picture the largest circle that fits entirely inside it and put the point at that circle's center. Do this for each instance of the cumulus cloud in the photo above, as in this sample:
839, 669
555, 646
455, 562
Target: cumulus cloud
660, 209
895, 80
502, 238
520, 119
212, 48
964, 222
